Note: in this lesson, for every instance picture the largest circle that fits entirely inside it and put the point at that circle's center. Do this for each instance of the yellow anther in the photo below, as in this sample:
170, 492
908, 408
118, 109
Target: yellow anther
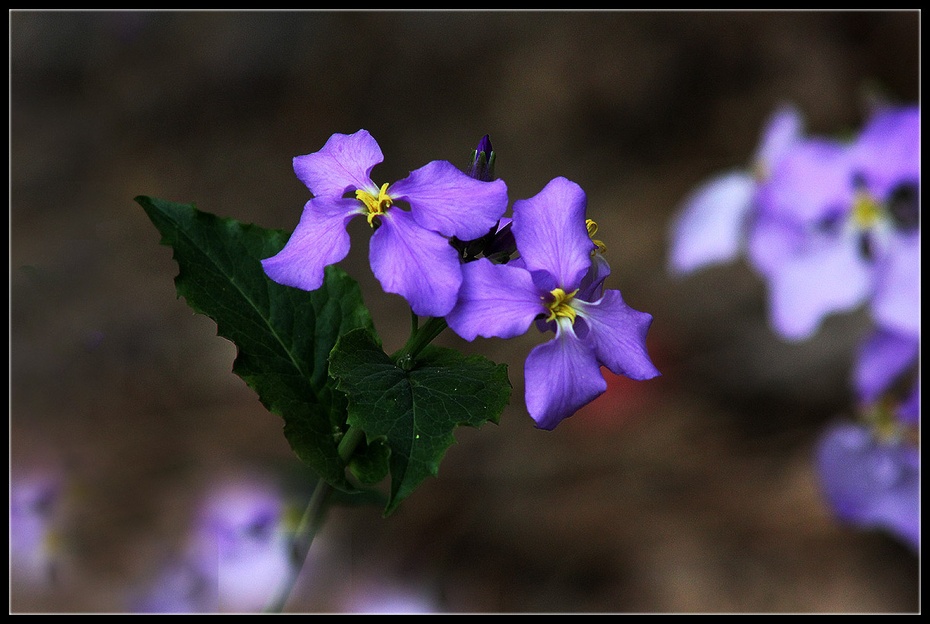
376, 205
560, 306
592, 230
52, 542
866, 211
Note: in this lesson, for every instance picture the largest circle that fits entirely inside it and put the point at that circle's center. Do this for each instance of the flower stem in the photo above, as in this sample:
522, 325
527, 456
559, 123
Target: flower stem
310, 524
420, 336
312, 520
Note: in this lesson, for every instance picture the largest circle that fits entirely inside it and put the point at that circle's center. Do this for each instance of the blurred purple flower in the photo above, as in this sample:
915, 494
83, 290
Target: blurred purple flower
545, 285
410, 252
711, 225
180, 587
379, 597
35, 528
236, 559
837, 225
871, 482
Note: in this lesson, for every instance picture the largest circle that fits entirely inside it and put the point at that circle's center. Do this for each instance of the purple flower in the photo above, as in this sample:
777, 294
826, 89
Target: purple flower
545, 285
242, 541
710, 227
837, 225
409, 252
870, 482
236, 558
35, 532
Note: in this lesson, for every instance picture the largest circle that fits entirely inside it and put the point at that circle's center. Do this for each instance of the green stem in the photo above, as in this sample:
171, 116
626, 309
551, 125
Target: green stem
419, 338
310, 524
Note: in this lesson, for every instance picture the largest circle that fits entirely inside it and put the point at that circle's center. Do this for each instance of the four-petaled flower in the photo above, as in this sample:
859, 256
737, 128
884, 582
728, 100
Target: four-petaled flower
548, 284
410, 252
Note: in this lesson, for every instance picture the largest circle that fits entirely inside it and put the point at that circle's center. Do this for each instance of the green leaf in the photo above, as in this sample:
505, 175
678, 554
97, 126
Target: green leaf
283, 335
369, 464
415, 410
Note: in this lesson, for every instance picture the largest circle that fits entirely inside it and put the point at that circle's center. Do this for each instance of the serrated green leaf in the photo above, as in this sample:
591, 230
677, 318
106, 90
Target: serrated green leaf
416, 410
283, 335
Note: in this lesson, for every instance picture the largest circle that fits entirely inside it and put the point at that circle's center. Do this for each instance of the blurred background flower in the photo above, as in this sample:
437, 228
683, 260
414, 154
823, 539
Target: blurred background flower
237, 556
38, 509
870, 482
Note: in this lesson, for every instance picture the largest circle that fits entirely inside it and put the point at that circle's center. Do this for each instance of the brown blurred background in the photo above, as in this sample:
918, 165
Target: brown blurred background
691, 492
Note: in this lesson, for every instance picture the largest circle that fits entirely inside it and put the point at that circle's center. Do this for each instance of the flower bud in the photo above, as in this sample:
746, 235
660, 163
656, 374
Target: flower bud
482, 161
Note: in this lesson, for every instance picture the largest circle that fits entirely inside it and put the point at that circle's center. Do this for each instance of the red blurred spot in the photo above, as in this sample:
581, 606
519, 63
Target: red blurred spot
624, 400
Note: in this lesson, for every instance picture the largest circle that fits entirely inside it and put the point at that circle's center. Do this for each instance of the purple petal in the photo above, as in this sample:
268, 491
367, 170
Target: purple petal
880, 360
772, 242
896, 304
240, 544
179, 588
36, 502
561, 376
551, 233
810, 183
592, 284
496, 300
710, 228
618, 333
887, 151
444, 199
343, 165
782, 131
830, 277
871, 484
415, 263
909, 410
320, 239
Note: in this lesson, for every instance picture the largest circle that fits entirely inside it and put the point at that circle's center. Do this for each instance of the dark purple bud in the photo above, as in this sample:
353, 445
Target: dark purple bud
482, 162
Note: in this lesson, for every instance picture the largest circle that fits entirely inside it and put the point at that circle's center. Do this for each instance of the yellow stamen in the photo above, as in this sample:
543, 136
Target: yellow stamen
592, 230
866, 211
376, 205
560, 306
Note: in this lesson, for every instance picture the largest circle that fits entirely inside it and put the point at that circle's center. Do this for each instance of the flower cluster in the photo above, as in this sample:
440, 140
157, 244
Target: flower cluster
832, 225
453, 254
829, 224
